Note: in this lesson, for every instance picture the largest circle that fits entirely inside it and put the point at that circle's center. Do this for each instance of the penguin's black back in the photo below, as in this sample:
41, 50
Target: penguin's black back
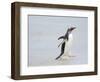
62, 47
62, 50
67, 35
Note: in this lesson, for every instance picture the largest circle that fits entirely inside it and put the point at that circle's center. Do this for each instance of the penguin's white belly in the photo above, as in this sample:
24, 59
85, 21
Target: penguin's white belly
68, 44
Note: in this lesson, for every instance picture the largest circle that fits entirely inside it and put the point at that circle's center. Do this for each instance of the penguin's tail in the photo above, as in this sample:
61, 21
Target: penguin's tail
59, 56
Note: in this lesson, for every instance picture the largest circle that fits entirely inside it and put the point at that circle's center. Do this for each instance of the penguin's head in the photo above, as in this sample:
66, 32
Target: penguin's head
71, 29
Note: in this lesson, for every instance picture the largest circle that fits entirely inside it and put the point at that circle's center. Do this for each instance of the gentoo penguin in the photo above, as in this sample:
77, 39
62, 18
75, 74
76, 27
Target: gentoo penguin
66, 43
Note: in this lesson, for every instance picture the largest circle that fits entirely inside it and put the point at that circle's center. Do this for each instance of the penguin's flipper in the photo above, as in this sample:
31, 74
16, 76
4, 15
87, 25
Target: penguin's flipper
62, 37
62, 50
